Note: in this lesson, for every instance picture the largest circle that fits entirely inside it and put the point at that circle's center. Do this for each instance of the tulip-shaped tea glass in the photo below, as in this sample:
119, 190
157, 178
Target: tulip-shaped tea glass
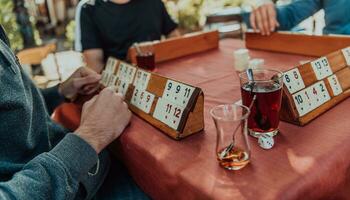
232, 145
261, 91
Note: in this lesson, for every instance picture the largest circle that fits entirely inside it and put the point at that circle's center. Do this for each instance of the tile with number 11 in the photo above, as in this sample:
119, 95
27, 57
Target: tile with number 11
178, 93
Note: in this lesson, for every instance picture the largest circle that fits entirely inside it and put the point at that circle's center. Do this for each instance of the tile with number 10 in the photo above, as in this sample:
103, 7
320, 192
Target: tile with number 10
302, 102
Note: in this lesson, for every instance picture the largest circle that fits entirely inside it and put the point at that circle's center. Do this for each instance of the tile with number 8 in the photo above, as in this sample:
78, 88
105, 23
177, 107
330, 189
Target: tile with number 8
293, 80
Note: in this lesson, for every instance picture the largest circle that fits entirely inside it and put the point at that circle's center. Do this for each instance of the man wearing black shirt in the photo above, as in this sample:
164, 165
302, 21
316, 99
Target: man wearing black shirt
110, 27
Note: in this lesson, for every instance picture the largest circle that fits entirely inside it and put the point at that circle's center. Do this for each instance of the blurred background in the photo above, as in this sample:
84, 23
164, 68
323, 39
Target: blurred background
50, 24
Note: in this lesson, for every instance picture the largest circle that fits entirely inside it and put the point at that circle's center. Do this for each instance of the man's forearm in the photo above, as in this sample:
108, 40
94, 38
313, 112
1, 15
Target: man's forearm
94, 59
291, 15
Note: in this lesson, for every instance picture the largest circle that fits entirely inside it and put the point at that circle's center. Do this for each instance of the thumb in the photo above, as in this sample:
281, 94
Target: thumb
82, 81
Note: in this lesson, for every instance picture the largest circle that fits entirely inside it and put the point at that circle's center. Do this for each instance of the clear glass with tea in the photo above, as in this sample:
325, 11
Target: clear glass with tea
263, 95
146, 57
232, 145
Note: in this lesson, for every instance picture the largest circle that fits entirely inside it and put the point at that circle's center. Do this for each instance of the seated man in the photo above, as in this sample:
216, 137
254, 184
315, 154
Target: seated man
109, 28
38, 158
267, 18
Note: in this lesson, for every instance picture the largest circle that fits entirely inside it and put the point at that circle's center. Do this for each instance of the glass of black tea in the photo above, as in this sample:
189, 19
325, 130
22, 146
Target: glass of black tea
146, 57
262, 93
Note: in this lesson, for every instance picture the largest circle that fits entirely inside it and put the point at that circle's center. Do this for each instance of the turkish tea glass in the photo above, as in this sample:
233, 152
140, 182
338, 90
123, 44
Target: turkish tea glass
262, 93
146, 57
232, 145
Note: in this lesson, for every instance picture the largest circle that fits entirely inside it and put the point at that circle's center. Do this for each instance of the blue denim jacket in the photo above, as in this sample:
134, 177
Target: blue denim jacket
337, 16
38, 158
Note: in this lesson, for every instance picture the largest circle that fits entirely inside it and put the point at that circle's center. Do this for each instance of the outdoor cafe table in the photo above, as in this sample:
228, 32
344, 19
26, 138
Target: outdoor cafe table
311, 162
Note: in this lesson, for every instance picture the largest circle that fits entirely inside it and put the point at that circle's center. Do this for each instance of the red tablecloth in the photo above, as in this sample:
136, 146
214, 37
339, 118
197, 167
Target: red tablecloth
310, 162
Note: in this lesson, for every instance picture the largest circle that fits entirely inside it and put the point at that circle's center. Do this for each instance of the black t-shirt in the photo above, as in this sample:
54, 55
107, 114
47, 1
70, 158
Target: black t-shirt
115, 27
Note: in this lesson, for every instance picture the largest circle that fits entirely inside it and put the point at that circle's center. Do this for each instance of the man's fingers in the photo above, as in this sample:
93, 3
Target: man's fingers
78, 83
120, 95
91, 101
271, 12
265, 20
253, 21
90, 89
259, 22
85, 71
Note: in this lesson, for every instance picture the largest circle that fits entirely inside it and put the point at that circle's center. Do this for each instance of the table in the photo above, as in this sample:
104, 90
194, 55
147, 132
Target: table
310, 162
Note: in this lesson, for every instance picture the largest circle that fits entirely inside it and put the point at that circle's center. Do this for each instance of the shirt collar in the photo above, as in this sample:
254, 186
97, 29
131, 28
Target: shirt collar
3, 36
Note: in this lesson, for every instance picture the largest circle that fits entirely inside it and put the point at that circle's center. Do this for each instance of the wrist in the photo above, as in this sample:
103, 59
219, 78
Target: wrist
61, 91
87, 137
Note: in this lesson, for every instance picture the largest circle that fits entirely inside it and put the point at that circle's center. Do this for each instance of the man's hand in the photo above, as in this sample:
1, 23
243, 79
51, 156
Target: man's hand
83, 81
264, 18
104, 118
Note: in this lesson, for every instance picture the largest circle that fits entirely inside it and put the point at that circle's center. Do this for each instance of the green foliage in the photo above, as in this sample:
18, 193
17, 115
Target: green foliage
190, 14
70, 31
8, 21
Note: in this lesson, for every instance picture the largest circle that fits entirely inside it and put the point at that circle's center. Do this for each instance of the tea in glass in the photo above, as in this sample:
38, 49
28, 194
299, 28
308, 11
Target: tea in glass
263, 95
232, 145
146, 60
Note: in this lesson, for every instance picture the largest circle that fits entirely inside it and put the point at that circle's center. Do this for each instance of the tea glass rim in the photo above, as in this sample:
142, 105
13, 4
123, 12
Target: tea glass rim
278, 72
243, 117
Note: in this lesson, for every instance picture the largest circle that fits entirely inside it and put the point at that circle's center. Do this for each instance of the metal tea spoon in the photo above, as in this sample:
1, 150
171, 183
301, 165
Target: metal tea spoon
224, 153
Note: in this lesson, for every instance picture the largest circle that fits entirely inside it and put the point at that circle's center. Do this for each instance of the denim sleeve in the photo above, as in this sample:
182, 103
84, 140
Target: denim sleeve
52, 175
52, 98
292, 14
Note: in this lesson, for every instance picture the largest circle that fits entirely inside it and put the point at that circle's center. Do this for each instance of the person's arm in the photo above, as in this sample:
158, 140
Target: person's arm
56, 174
94, 59
291, 15
267, 18
91, 41
174, 33
53, 175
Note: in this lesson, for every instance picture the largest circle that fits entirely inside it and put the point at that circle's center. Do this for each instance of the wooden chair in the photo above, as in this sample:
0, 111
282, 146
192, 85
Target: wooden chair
228, 22
34, 56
